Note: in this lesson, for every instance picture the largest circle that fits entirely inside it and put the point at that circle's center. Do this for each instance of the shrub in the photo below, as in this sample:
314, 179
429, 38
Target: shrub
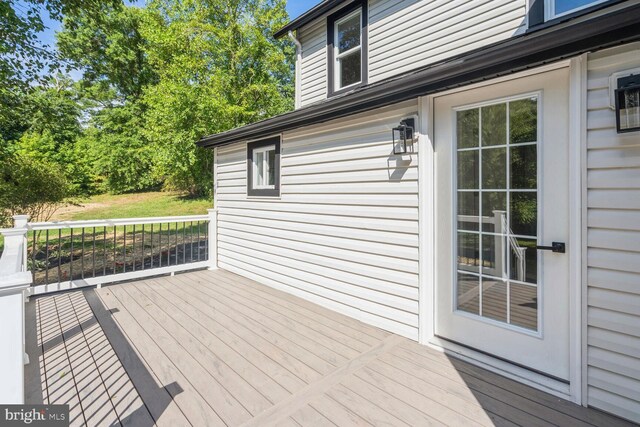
31, 187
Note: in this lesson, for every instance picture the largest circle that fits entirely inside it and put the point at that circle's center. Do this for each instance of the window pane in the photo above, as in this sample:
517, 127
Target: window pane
491, 243
468, 252
350, 69
524, 260
494, 210
468, 170
468, 128
259, 175
523, 120
494, 168
494, 125
494, 299
563, 6
524, 306
468, 294
271, 166
524, 214
349, 34
524, 167
468, 208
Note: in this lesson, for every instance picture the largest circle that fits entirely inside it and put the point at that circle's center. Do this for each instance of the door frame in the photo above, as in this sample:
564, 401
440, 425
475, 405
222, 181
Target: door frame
576, 389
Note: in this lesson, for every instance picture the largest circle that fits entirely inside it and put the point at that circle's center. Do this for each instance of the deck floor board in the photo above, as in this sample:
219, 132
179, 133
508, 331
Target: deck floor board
214, 348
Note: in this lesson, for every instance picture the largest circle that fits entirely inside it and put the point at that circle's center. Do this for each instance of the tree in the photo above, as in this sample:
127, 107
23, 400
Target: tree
31, 187
219, 67
22, 57
52, 116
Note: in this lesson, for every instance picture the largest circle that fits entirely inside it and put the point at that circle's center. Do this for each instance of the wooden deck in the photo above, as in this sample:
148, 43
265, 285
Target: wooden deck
213, 348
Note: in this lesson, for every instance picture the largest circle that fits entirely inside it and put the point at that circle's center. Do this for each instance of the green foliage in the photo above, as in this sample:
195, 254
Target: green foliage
154, 80
219, 67
30, 186
109, 49
120, 154
22, 58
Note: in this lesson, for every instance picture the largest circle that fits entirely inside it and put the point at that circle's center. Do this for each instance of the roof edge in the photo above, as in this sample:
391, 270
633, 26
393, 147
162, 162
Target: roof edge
502, 58
313, 13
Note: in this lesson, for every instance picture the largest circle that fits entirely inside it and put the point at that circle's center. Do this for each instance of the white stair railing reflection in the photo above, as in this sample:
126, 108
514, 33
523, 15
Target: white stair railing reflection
503, 241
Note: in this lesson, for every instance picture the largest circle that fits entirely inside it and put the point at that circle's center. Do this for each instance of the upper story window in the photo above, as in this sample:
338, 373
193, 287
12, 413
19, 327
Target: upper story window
557, 8
347, 48
263, 168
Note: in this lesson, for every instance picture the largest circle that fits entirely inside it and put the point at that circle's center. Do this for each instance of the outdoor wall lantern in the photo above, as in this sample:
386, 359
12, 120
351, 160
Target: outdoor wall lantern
628, 104
403, 135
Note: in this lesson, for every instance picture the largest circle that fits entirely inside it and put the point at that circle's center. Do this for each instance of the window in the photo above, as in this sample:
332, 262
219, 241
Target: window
497, 212
347, 48
263, 168
541, 11
558, 8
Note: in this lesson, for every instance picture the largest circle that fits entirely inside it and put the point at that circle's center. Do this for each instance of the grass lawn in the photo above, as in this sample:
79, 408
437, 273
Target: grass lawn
140, 205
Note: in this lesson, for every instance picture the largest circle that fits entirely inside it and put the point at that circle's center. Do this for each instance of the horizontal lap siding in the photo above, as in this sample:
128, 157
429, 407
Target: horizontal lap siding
613, 239
406, 34
344, 233
313, 71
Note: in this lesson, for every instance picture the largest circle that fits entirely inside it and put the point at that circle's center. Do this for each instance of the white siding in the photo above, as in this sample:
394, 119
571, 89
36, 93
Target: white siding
344, 233
408, 34
613, 239
313, 72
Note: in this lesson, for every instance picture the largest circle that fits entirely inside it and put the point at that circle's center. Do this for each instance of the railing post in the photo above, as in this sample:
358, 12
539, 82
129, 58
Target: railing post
213, 239
14, 281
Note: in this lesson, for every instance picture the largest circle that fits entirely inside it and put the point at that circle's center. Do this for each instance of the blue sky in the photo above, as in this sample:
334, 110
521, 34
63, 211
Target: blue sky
294, 7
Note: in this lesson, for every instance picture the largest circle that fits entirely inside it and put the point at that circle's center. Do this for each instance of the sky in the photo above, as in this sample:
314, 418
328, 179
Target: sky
294, 7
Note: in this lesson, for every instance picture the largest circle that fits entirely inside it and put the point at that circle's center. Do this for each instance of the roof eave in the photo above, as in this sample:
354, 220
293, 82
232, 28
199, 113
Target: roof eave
310, 15
506, 57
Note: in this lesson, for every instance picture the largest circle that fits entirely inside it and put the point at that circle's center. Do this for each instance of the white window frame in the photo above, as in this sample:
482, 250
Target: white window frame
337, 56
550, 9
264, 166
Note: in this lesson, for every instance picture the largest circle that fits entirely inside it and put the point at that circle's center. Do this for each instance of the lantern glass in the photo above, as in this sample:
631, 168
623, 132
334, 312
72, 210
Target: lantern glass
400, 140
628, 104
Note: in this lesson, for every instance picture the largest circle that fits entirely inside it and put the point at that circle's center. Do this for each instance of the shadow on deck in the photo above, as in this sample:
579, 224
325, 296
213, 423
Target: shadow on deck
214, 348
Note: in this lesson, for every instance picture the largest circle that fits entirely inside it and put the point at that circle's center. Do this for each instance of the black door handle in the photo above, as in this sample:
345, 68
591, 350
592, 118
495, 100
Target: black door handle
556, 247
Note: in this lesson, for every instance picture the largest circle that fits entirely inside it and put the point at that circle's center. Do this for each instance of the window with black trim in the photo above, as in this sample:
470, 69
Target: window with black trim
263, 168
347, 47
543, 11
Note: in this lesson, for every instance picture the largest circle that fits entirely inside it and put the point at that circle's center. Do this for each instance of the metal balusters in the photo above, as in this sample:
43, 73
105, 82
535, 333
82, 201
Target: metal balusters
143, 248
71, 258
93, 255
172, 237
168, 244
82, 254
160, 250
191, 242
134, 247
206, 238
104, 251
115, 249
177, 252
184, 243
198, 240
46, 265
124, 251
59, 256
33, 258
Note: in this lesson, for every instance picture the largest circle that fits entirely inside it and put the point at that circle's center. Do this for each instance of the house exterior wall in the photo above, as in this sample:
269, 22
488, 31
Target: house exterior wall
344, 233
408, 34
613, 244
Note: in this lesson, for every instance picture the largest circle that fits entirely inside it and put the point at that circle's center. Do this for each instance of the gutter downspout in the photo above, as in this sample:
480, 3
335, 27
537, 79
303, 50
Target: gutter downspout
298, 100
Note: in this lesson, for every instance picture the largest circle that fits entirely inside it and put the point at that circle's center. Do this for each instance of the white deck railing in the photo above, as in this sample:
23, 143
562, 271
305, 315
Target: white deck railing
46, 257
